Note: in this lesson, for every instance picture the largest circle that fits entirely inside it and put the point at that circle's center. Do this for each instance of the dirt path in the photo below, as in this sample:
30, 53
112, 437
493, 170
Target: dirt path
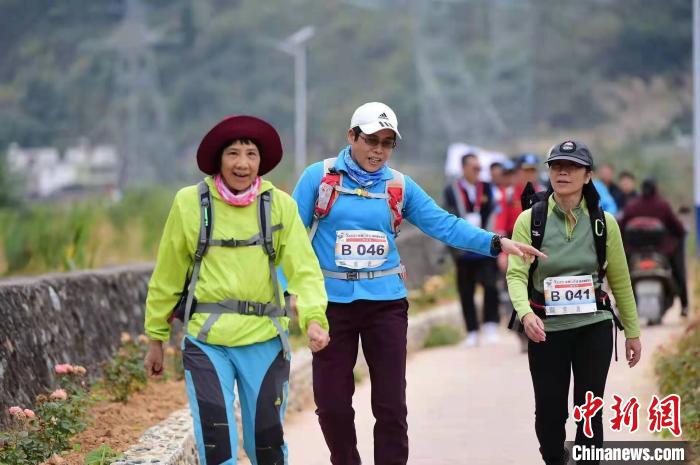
475, 406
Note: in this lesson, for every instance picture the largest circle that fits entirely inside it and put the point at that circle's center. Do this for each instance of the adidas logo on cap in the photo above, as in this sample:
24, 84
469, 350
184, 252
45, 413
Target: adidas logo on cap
383, 116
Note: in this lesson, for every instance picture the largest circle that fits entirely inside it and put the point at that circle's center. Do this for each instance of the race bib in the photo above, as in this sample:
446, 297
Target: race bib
569, 295
359, 249
474, 219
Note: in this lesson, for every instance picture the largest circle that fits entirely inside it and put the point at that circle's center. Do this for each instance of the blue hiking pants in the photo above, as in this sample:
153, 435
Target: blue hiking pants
262, 375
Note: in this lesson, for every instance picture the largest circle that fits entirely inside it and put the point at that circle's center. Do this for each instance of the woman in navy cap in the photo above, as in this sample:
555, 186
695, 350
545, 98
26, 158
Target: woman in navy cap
566, 315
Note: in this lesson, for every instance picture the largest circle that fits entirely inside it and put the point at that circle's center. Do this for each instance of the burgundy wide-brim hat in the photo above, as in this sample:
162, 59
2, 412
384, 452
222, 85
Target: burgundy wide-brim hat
240, 127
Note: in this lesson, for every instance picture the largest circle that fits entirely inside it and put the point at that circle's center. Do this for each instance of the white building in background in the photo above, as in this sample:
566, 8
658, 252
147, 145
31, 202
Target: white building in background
47, 173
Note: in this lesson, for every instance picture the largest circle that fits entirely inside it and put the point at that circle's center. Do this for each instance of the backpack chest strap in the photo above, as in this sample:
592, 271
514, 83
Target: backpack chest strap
255, 240
361, 192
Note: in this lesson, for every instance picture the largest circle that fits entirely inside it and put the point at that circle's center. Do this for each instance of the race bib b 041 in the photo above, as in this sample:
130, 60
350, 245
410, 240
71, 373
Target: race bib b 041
360, 249
569, 295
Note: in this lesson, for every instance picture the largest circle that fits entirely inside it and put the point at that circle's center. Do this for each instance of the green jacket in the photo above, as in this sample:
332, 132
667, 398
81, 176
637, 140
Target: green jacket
233, 273
571, 252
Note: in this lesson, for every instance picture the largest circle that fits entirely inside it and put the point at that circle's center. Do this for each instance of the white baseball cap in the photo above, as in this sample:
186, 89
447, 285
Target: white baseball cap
375, 116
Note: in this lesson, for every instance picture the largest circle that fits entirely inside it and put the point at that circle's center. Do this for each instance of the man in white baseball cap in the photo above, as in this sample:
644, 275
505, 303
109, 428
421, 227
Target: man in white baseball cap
354, 204
373, 117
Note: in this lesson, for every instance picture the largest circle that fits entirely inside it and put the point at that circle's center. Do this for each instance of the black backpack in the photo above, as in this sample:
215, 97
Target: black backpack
538, 202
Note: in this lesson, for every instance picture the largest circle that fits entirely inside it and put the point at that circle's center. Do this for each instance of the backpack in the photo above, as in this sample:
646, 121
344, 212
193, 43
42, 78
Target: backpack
332, 186
538, 202
187, 304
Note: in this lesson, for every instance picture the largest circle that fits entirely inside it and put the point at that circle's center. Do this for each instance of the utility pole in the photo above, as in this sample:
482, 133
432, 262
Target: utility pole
696, 118
295, 45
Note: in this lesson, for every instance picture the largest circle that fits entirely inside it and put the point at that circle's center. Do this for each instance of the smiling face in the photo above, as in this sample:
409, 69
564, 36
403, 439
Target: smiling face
372, 151
240, 163
567, 177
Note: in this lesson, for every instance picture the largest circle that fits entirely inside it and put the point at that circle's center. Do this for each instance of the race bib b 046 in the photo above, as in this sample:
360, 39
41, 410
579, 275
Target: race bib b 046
569, 295
360, 249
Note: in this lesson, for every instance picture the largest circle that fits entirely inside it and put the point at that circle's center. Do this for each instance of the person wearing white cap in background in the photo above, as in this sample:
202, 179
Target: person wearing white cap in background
354, 204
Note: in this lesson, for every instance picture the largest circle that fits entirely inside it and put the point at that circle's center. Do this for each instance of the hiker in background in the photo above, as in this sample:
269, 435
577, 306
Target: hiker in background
606, 174
473, 200
560, 302
354, 205
628, 188
528, 171
216, 272
607, 202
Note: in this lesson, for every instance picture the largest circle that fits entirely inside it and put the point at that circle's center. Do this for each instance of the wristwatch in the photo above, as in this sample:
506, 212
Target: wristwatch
496, 243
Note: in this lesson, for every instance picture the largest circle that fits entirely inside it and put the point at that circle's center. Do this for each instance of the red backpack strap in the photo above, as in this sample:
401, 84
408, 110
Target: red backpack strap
395, 189
327, 193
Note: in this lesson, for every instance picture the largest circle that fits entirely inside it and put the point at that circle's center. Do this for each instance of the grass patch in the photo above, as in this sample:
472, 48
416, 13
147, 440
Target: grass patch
442, 335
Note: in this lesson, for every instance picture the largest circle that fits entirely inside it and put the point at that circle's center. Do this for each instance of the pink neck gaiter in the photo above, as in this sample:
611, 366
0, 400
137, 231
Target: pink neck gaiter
237, 200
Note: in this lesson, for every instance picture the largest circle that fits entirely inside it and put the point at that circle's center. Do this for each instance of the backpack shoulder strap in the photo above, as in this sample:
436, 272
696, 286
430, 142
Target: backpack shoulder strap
600, 238
395, 191
538, 222
206, 226
327, 194
265, 223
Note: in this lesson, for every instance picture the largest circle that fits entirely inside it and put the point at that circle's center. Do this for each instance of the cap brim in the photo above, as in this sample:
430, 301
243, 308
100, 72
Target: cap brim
371, 128
578, 161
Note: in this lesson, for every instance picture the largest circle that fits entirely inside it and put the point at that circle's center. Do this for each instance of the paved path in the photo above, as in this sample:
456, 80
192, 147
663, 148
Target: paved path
475, 406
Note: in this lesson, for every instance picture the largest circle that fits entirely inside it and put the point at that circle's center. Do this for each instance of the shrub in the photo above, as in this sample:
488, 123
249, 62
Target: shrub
678, 372
124, 374
35, 435
442, 335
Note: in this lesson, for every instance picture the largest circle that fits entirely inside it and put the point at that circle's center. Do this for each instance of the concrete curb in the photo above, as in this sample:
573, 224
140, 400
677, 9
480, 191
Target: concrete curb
171, 442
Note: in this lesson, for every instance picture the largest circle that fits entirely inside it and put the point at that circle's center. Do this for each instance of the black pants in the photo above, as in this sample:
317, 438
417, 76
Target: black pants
586, 351
677, 262
381, 326
485, 272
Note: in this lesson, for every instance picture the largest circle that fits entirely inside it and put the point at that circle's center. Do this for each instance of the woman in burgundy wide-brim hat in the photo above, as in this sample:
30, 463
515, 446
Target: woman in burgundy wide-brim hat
222, 243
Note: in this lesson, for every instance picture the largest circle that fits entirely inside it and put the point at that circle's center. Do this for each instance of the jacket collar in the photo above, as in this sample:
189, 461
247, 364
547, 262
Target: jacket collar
341, 166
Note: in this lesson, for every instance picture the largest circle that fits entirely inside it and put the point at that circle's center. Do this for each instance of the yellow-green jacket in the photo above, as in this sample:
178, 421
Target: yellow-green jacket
571, 252
240, 273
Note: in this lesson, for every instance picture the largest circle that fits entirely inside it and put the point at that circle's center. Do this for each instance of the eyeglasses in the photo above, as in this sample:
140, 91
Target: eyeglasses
374, 141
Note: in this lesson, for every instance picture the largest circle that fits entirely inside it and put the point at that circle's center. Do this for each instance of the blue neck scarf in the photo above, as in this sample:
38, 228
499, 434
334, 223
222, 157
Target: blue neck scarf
359, 175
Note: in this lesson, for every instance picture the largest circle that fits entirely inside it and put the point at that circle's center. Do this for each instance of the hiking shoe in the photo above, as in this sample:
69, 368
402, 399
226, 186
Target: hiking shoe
491, 333
472, 339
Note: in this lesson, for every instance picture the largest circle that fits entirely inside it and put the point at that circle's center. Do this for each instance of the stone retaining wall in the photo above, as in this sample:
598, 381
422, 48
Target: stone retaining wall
72, 318
171, 442
78, 317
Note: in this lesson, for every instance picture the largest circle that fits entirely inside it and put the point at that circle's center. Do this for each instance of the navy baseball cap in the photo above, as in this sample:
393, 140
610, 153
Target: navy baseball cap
528, 160
571, 150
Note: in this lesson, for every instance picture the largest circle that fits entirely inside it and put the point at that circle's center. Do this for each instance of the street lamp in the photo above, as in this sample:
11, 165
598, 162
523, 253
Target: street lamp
295, 45
696, 118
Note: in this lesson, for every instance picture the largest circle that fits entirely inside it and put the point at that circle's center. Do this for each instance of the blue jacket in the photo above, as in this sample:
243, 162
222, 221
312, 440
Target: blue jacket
351, 212
607, 202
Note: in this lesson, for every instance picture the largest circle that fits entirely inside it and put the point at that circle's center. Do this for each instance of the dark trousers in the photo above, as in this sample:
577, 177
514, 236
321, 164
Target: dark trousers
470, 272
382, 327
586, 351
677, 262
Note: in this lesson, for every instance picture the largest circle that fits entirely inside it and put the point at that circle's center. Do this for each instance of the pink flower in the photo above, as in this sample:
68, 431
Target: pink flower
14, 410
63, 369
59, 394
17, 413
29, 413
